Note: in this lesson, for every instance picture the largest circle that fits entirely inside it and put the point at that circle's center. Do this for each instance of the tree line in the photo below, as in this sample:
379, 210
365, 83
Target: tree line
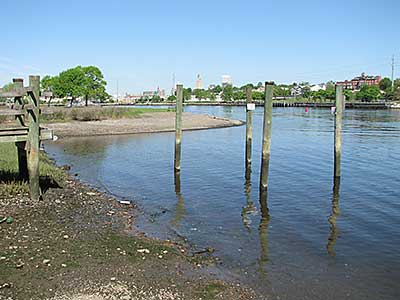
231, 93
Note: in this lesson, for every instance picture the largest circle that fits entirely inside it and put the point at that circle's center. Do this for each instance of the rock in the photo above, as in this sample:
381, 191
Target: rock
65, 237
143, 251
113, 279
63, 265
46, 261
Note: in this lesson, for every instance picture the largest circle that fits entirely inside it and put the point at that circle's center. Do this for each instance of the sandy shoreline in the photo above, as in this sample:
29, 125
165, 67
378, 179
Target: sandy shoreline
146, 123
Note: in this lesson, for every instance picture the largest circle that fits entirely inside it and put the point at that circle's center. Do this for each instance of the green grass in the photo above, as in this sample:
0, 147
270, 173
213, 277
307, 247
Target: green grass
95, 113
9, 181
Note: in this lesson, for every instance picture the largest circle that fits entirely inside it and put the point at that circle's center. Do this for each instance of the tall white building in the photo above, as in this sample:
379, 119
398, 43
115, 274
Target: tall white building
226, 80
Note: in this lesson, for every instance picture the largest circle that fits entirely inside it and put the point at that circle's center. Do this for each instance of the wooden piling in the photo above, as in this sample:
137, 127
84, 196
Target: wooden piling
21, 146
34, 138
266, 145
338, 129
249, 100
178, 127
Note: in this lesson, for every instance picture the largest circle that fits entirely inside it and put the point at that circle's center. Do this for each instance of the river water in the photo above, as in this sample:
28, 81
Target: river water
306, 239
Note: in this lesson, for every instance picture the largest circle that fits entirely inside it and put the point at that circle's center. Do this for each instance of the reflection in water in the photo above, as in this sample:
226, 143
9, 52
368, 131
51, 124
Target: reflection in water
332, 218
249, 209
263, 230
180, 210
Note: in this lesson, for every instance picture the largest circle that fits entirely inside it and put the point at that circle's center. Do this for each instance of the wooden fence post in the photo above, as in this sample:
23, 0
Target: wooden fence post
249, 100
338, 129
21, 146
34, 138
178, 128
266, 145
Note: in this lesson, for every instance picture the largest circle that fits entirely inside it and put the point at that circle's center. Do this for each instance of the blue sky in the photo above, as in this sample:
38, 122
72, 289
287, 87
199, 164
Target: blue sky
142, 43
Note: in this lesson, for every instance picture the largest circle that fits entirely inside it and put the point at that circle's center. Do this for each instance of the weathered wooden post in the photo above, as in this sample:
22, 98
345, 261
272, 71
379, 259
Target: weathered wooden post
249, 109
334, 232
338, 129
263, 231
266, 145
34, 137
21, 146
178, 127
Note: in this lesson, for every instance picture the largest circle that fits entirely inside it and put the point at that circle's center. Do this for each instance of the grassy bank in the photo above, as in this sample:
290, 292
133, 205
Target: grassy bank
10, 184
90, 113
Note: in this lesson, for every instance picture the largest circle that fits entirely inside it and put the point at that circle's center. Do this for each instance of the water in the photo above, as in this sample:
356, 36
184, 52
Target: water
305, 239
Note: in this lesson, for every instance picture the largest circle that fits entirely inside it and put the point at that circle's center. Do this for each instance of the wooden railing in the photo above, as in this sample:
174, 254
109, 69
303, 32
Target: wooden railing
27, 133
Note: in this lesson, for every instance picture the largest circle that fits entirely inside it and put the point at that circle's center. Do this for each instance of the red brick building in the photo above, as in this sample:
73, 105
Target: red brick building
357, 82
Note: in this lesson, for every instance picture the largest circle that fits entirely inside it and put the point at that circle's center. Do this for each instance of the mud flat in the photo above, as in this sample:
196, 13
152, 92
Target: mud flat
145, 123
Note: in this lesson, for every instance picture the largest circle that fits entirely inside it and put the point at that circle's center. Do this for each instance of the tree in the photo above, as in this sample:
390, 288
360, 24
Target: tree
187, 94
368, 93
385, 84
227, 93
217, 89
257, 95
239, 95
171, 98
71, 83
94, 85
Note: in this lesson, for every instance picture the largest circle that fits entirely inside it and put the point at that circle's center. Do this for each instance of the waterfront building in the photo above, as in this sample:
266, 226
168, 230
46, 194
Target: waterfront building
357, 82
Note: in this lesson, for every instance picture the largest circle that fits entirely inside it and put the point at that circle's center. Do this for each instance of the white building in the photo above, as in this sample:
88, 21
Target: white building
318, 87
226, 80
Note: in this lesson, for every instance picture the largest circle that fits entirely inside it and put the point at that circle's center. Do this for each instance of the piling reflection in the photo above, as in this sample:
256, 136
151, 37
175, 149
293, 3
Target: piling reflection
180, 210
249, 209
263, 231
334, 232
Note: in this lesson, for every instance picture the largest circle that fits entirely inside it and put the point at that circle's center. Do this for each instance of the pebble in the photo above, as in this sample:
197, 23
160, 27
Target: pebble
113, 278
143, 251
126, 297
63, 265
46, 261
65, 237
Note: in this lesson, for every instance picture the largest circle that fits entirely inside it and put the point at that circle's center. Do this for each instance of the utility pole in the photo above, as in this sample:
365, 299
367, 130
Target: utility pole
392, 73
117, 92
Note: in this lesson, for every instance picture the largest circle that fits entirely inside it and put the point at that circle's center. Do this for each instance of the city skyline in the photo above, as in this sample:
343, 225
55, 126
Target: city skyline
248, 41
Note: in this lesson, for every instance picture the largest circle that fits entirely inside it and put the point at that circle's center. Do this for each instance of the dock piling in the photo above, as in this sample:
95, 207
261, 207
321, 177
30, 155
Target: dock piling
249, 100
178, 127
266, 145
338, 129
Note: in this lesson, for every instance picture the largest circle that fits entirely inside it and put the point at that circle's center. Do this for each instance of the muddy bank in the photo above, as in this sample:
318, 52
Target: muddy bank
77, 243
145, 123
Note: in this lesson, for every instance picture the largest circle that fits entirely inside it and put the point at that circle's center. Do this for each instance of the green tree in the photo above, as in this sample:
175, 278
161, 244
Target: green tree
385, 84
227, 93
257, 95
71, 83
187, 94
217, 89
368, 93
239, 95
171, 98
94, 85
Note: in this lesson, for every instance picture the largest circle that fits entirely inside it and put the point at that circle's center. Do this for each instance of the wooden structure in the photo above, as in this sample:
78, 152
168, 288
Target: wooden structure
27, 134
178, 127
267, 127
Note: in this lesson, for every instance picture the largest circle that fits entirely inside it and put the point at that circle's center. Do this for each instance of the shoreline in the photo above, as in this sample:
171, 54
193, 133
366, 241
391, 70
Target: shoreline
147, 123
79, 243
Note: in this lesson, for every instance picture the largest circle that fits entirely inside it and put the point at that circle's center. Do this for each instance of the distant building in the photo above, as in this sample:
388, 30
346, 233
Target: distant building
357, 82
318, 87
211, 86
296, 90
199, 83
226, 80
